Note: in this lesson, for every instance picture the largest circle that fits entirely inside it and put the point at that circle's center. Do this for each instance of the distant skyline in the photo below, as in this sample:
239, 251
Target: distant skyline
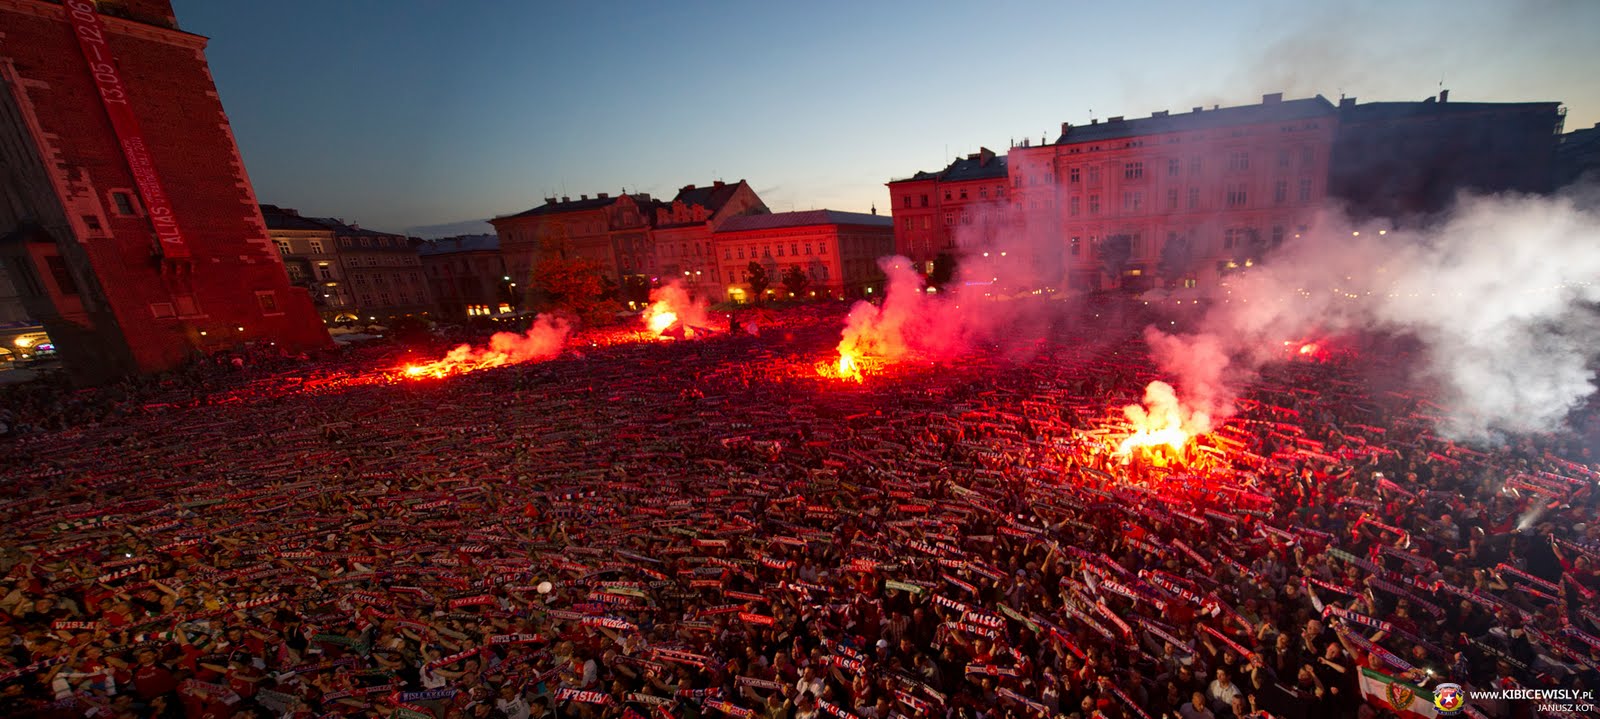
427, 117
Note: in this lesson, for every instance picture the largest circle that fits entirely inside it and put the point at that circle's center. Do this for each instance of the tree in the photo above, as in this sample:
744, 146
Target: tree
1176, 260
1115, 252
755, 275
575, 286
944, 270
795, 280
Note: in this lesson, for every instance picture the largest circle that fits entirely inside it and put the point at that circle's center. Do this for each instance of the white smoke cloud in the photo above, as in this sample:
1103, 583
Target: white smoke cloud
1501, 294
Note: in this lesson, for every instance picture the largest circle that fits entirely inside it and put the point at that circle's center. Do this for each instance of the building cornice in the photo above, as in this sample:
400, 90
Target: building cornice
120, 26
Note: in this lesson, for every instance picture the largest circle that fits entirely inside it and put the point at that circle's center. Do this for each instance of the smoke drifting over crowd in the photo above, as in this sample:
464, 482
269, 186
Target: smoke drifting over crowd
543, 341
673, 312
1501, 294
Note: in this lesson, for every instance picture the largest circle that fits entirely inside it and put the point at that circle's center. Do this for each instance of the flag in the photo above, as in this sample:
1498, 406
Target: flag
1389, 693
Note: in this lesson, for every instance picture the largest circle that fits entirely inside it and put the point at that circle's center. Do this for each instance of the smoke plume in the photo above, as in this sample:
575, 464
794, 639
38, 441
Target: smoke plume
542, 341
671, 305
1501, 294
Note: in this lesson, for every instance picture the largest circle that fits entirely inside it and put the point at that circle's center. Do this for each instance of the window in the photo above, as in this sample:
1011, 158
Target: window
1094, 175
1173, 167
61, 275
1305, 190
1133, 171
1094, 204
1283, 159
963, 193
741, 253
1194, 167
1075, 246
92, 221
325, 272
946, 195
905, 201
822, 249
1074, 175
926, 223
344, 242
983, 192
1072, 205
766, 251
283, 247
1194, 198
1280, 192
924, 226
268, 300
1238, 161
366, 242
1305, 157
924, 200
966, 218
1132, 201
123, 202
949, 219
1172, 199
1236, 195
727, 254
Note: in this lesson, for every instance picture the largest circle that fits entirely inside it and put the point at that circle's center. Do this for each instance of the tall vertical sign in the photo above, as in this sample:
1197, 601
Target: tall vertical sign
114, 95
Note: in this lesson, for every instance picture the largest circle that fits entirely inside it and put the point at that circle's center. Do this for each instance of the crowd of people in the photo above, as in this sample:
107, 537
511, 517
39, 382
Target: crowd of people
712, 528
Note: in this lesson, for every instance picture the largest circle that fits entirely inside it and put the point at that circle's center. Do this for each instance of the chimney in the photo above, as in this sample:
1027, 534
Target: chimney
355, 226
687, 188
1347, 102
718, 183
984, 156
566, 198
603, 196
1094, 120
1117, 118
549, 200
1065, 126
1216, 107
1444, 96
1197, 108
973, 156
1162, 113
582, 197
645, 196
1272, 98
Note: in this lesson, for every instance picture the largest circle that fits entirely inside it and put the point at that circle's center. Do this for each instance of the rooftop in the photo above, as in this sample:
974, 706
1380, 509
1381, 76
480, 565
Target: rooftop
555, 206
980, 165
464, 243
803, 218
1273, 108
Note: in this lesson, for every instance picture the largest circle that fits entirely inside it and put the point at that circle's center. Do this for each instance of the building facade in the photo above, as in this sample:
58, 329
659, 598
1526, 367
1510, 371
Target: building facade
353, 274
963, 206
468, 277
683, 229
586, 228
1578, 157
1172, 200
837, 252
1409, 160
131, 228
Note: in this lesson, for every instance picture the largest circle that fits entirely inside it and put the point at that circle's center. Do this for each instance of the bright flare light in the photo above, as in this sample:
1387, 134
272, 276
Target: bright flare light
1161, 421
848, 369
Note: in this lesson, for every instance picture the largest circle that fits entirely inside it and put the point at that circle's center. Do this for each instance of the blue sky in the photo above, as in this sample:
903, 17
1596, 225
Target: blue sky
404, 114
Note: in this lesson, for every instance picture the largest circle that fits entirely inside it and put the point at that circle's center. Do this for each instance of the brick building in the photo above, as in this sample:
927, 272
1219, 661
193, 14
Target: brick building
611, 231
683, 228
963, 206
1175, 199
1408, 159
130, 226
468, 276
838, 251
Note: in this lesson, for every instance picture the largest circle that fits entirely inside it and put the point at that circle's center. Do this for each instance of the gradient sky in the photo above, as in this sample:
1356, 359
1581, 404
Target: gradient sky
417, 115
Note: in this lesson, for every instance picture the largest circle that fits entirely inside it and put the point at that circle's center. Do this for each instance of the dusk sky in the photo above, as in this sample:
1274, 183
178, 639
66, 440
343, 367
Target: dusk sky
425, 116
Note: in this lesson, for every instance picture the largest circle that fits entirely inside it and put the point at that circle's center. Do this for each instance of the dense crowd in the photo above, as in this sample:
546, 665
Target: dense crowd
701, 529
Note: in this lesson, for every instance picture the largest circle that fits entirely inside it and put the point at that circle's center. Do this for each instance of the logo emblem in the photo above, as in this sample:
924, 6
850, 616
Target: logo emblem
1400, 696
1448, 698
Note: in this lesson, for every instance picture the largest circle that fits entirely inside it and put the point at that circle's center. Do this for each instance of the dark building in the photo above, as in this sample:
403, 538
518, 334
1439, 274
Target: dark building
1411, 159
931, 208
1578, 157
468, 276
130, 227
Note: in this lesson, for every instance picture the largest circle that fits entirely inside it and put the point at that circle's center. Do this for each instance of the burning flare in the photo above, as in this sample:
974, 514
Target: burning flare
1162, 421
542, 341
848, 368
671, 306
